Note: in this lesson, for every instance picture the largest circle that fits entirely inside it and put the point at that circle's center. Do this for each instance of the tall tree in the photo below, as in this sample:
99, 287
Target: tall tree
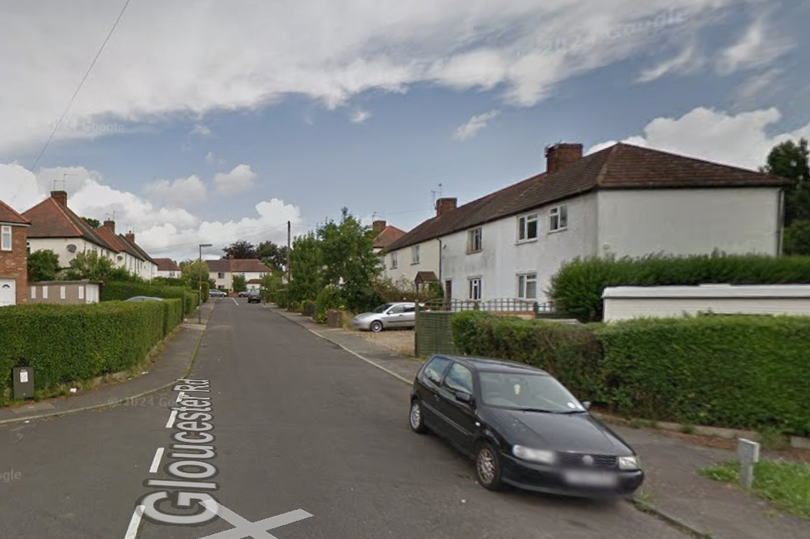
273, 255
195, 270
43, 265
239, 283
240, 249
305, 268
91, 266
791, 160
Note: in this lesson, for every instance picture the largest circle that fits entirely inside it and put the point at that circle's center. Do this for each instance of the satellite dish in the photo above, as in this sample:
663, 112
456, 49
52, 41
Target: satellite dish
71, 248
120, 257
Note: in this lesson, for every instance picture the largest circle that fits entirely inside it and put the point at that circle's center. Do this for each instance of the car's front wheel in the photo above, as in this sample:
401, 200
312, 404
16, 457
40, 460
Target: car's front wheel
488, 467
376, 326
416, 419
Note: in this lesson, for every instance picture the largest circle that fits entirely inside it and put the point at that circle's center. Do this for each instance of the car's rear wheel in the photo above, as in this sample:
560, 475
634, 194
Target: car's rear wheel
416, 419
488, 467
376, 326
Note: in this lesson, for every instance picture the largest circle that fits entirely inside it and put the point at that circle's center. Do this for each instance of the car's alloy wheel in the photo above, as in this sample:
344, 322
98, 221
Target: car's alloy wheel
488, 467
415, 419
376, 326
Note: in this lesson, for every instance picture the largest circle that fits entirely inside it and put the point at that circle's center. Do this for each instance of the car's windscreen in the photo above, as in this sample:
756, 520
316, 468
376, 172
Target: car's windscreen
527, 392
382, 308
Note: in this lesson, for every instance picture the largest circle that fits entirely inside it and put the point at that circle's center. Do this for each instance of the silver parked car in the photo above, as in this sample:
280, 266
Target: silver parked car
388, 316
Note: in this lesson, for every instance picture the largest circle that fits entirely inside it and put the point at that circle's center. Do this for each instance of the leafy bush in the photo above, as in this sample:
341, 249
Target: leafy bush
74, 343
329, 298
281, 298
120, 291
173, 315
570, 353
746, 372
294, 306
308, 308
577, 287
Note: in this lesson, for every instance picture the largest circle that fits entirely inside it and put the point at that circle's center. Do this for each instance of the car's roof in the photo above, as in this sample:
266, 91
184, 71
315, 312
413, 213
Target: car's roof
485, 364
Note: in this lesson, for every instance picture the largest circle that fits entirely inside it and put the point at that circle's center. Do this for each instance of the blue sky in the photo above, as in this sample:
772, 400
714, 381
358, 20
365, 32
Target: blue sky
225, 121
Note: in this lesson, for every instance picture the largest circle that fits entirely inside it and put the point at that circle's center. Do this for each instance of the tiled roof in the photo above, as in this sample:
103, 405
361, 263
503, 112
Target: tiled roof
136, 250
621, 166
50, 219
166, 264
9, 215
238, 265
128, 247
111, 239
389, 235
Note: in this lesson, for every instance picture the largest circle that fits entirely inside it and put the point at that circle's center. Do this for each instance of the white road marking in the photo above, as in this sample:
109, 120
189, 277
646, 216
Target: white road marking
352, 352
132, 530
234, 300
172, 417
156, 460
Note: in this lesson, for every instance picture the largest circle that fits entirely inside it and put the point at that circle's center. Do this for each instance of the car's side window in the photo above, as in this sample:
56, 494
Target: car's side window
397, 309
410, 309
459, 378
434, 370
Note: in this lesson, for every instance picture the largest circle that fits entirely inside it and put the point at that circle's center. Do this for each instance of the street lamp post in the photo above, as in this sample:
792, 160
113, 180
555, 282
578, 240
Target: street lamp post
199, 278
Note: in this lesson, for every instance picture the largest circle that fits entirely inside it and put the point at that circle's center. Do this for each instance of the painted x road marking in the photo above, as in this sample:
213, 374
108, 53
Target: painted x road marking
244, 528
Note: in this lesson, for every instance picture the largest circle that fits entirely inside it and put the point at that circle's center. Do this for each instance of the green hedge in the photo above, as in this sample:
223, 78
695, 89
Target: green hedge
173, 315
121, 291
729, 371
570, 353
73, 343
328, 298
747, 372
576, 289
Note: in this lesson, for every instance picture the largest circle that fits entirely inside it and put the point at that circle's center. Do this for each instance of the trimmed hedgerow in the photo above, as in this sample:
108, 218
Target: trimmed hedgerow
173, 314
730, 371
570, 353
576, 289
121, 291
74, 343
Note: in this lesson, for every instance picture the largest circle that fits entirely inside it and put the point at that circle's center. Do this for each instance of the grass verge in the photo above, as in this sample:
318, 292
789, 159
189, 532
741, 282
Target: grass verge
785, 485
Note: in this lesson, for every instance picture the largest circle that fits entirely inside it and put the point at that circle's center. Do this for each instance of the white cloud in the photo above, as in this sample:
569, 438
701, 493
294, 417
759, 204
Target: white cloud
162, 231
361, 116
475, 124
241, 55
684, 62
740, 140
237, 180
761, 45
202, 130
758, 85
210, 158
182, 192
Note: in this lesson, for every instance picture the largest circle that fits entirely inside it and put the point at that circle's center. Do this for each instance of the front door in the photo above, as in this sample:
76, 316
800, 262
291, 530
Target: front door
8, 292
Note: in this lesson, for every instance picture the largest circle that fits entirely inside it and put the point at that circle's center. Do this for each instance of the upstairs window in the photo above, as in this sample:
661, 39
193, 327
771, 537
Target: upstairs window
415, 254
394, 260
558, 218
5, 238
527, 227
475, 240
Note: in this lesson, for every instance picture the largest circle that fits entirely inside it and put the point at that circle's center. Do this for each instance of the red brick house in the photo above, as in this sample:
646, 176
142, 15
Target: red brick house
13, 256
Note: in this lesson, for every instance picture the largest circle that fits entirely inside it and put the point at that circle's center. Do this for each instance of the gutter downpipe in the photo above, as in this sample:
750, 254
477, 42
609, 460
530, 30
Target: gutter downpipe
780, 225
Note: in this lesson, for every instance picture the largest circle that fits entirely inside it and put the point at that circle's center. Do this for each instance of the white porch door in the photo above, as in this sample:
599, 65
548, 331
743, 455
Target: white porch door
8, 292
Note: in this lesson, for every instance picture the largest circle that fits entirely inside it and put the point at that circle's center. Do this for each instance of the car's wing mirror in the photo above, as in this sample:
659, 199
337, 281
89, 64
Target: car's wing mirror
587, 405
466, 398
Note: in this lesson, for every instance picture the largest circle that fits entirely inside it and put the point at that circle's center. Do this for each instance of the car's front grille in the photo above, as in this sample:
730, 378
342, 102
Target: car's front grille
588, 461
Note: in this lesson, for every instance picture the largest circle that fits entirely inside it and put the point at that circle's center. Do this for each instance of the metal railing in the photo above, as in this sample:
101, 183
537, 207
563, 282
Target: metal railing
499, 305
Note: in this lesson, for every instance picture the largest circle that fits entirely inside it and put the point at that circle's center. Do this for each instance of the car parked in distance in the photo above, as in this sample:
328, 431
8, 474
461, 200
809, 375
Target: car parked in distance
388, 316
254, 297
243, 294
522, 428
216, 293
144, 298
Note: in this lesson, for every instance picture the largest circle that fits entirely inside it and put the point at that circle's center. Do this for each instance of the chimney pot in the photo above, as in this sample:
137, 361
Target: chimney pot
130, 236
60, 197
379, 226
110, 225
561, 155
445, 205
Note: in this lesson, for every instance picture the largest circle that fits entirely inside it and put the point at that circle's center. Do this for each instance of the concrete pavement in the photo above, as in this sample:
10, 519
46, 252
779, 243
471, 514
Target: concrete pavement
298, 424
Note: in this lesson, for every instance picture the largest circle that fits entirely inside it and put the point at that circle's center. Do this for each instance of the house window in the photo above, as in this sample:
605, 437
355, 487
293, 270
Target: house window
62, 292
527, 286
527, 227
44, 292
81, 292
220, 275
475, 289
415, 254
6, 238
559, 218
393, 260
33, 292
474, 240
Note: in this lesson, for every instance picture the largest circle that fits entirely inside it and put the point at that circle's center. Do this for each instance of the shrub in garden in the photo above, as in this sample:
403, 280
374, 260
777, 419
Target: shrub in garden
308, 308
577, 287
328, 298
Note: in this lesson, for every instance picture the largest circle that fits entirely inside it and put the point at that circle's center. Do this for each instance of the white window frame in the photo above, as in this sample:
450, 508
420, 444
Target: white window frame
415, 255
558, 218
81, 292
472, 235
474, 288
44, 292
523, 280
62, 292
394, 260
6, 238
523, 227
33, 292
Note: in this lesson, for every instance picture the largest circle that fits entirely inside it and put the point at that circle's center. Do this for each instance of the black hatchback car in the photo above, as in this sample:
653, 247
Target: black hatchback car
522, 428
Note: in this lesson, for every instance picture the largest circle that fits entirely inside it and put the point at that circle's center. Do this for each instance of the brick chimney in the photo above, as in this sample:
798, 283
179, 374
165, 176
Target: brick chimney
60, 197
559, 156
110, 225
130, 236
379, 226
445, 205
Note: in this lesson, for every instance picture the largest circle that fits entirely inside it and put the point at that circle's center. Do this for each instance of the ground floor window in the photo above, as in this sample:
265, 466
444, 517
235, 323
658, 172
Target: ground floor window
527, 286
475, 289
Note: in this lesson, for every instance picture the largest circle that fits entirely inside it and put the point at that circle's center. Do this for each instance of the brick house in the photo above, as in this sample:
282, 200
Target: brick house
13, 256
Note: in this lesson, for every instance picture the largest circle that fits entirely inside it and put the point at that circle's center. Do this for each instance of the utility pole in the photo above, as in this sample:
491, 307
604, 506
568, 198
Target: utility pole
289, 246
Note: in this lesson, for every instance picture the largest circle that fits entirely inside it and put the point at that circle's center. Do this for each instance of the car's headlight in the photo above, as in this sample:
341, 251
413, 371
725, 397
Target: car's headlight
629, 463
534, 455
